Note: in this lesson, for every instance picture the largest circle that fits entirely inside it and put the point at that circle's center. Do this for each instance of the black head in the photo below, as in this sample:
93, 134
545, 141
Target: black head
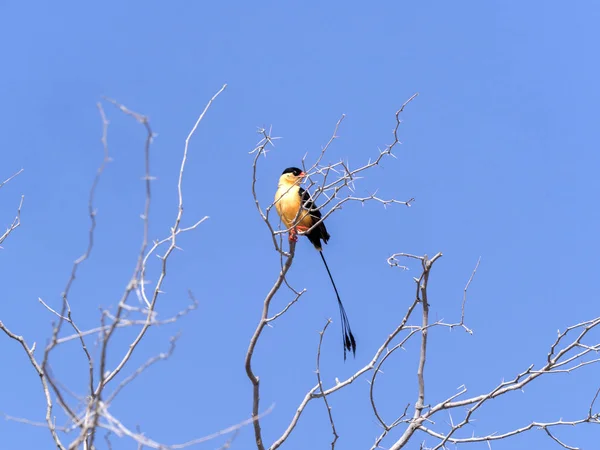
293, 170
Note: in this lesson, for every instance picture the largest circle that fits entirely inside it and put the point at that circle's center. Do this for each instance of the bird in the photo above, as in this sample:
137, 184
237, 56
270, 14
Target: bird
299, 213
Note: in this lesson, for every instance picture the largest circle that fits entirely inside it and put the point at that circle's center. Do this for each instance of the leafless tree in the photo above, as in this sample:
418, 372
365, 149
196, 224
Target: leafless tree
89, 421
572, 350
90, 415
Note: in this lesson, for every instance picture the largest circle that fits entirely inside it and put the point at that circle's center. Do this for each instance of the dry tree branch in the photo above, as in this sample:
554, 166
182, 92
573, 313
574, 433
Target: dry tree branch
133, 283
333, 137
464, 302
116, 427
94, 412
394, 263
16, 223
555, 359
264, 320
229, 441
34, 423
65, 313
17, 220
330, 190
347, 179
232, 429
43, 380
284, 310
122, 323
334, 181
43, 368
137, 278
554, 438
11, 177
563, 357
421, 295
320, 384
314, 393
387, 429
143, 367
377, 370
261, 149
518, 383
88, 433
496, 437
69, 320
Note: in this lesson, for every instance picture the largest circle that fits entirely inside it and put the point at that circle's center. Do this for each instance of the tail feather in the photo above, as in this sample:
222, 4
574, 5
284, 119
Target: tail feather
347, 336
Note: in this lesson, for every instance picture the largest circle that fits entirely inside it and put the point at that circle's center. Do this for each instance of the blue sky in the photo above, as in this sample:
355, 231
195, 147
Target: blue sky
499, 151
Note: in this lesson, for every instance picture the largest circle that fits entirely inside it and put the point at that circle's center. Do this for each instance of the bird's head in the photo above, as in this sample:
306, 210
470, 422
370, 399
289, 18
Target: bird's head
291, 176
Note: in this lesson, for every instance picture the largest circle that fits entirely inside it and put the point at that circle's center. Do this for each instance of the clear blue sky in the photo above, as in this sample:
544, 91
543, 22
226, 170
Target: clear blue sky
500, 151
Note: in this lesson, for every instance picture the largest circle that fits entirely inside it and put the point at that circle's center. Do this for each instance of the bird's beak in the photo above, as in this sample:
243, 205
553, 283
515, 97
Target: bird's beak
302, 175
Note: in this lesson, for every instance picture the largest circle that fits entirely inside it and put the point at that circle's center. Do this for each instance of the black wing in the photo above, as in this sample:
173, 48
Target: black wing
319, 232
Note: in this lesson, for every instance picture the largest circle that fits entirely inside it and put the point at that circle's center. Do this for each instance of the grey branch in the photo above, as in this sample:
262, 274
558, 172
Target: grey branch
43, 379
17, 220
91, 412
320, 384
16, 223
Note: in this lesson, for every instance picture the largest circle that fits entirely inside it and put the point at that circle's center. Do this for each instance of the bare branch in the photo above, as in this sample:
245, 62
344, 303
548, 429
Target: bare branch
464, 302
140, 269
264, 320
314, 393
320, 384
555, 439
232, 429
555, 359
65, 312
16, 221
142, 368
118, 428
43, 380
123, 323
11, 177
284, 310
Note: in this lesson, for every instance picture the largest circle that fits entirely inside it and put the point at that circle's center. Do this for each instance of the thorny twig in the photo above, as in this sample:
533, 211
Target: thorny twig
331, 187
559, 361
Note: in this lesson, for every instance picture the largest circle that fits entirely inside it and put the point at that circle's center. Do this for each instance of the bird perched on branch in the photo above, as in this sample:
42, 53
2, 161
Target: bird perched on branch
299, 214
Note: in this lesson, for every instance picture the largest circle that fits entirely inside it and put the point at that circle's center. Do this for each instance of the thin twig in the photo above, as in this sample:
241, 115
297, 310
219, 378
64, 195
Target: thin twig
16, 223
43, 380
320, 384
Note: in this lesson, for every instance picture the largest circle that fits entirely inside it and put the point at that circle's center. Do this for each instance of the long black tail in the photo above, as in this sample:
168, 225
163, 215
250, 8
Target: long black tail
347, 336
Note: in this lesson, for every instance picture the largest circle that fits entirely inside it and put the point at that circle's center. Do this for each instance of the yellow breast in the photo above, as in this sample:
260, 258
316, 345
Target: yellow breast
287, 203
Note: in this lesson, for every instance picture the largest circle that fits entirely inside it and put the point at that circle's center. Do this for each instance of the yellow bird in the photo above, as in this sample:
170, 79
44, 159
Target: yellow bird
299, 214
